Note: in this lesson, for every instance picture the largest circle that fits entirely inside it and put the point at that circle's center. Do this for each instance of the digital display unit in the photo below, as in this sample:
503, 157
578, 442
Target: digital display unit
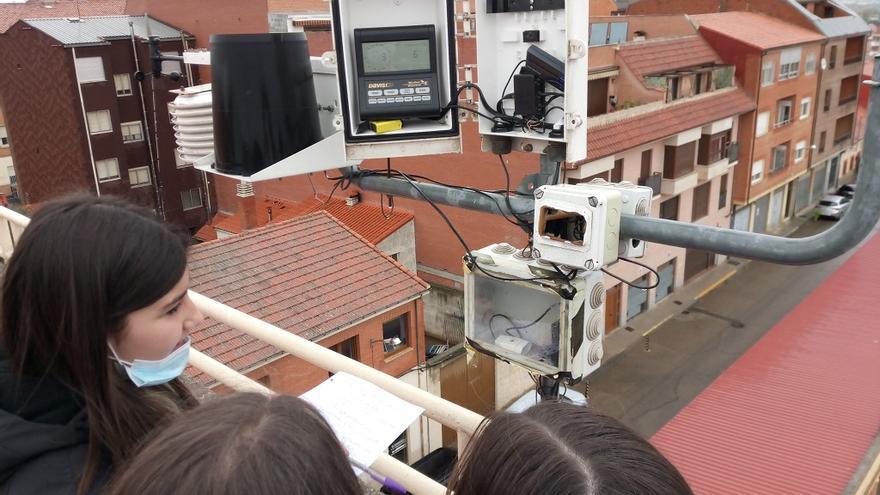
397, 74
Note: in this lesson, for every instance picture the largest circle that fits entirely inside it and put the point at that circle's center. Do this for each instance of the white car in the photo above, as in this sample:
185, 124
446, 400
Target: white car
833, 206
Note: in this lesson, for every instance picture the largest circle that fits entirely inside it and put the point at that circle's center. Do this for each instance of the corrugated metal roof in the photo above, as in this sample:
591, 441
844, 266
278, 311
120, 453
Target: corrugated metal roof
800, 410
837, 27
97, 30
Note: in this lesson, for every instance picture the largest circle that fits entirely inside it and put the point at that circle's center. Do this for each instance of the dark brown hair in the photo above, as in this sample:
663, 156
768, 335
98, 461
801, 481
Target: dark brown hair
244, 443
81, 267
562, 449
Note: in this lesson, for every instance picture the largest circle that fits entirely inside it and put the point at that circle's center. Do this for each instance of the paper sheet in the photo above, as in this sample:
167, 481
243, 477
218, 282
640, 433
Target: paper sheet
365, 417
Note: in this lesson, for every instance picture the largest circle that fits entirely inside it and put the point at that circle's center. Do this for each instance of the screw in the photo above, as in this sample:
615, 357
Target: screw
539, 193
593, 201
527, 147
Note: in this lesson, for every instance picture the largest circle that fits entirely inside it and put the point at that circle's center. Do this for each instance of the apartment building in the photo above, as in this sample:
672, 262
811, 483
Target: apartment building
777, 65
7, 167
664, 113
79, 120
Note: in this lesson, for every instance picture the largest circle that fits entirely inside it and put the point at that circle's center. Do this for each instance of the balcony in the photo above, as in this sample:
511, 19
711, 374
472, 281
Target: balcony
715, 169
842, 139
462, 420
654, 182
679, 185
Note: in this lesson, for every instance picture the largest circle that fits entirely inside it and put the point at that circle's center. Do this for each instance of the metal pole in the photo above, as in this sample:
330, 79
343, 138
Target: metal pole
855, 226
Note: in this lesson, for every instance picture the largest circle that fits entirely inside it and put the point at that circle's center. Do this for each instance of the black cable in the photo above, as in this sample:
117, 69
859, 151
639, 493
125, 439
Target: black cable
634, 286
507, 195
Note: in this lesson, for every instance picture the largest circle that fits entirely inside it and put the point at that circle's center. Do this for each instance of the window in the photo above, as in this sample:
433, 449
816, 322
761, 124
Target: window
783, 112
347, 348
810, 64
89, 69
757, 171
669, 209
617, 171
853, 50
603, 33
763, 125
832, 59
394, 333
4, 138
789, 64
849, 90
139, 177
701, 201
843, 129
767, 73
99, 122
713, 148
827, 105
647, 159
107, 169
397, 449
780, 157
123, 84
679, 160
805, 107
822, 137
191, 198
722, 195
800, 151
672, 89
131, 132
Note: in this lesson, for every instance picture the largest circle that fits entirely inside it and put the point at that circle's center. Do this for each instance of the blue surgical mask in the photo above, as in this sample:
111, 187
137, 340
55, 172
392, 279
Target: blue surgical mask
146, 373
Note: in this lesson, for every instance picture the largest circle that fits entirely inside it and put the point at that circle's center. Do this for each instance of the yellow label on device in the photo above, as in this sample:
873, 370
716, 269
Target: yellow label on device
383, 126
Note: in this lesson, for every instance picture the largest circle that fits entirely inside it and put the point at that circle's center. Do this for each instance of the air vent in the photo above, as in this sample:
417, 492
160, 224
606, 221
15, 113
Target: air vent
594, 326
642, 208
597, 296
595, 354
503, 248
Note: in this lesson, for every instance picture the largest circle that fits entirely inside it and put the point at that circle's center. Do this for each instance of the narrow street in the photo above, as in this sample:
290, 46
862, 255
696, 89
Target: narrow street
646, 388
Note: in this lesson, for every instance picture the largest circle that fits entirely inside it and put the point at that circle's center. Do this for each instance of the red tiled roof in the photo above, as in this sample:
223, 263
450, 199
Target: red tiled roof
761, 31
799, 411
10, 13
653, 57
608, 139
311, 275
367, 220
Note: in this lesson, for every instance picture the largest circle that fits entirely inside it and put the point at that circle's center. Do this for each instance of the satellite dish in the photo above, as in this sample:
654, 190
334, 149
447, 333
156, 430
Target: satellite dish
824, 63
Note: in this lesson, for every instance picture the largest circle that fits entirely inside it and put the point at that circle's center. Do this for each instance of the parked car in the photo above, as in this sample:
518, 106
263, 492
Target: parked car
847, 191
832, 206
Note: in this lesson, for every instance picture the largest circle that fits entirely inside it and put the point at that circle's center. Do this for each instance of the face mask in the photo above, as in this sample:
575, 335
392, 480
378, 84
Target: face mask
144, 373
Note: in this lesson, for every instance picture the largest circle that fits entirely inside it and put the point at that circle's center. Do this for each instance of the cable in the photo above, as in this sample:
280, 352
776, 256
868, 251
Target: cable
504, 91
634, 286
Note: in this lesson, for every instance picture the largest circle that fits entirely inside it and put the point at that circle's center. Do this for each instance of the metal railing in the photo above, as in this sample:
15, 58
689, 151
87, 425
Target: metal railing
462, 420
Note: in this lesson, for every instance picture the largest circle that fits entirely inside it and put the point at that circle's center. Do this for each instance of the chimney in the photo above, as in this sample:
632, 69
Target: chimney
247, 205
353, 199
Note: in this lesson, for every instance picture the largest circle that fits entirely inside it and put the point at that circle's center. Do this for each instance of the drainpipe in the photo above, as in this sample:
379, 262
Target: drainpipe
137, 66
82, 107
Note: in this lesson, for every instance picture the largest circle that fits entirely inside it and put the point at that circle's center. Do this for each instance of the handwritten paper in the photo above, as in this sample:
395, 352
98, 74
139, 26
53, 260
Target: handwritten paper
365, 418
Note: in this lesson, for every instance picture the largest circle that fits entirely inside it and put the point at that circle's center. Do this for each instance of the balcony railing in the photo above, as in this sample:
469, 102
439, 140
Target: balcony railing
842, 139
462, 420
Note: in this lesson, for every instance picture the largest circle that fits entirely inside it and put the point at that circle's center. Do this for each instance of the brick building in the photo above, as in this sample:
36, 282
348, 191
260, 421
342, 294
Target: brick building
7, 168
77, 119
777, 65
664, 112
839, 64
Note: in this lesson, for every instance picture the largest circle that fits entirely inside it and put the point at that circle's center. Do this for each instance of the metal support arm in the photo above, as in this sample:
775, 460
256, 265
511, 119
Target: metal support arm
855, 226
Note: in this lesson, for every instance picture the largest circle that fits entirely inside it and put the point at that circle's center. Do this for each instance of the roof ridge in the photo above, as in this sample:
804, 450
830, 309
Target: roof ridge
376, 249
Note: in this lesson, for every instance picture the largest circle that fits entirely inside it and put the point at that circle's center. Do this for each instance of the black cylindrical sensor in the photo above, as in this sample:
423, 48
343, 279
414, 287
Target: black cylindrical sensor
263, 100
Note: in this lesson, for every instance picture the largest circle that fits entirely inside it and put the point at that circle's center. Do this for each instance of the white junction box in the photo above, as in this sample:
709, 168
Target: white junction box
577, 226
396, 62
636, 201
532, 64
529, 322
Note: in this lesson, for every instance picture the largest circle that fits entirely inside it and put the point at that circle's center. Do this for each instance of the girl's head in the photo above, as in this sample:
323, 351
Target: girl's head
562, 449
89, 273
242, 443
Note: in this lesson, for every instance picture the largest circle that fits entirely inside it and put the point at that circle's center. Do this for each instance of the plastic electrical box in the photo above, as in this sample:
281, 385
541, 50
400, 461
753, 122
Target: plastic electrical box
541, 38
577, 225
528, 322
396, 60
636, 201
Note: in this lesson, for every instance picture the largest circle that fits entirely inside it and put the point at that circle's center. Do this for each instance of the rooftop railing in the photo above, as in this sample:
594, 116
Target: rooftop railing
462, 420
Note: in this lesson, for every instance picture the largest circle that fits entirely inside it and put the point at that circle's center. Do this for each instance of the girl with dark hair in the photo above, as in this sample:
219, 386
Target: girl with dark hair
94, 321
562, 449
244, 443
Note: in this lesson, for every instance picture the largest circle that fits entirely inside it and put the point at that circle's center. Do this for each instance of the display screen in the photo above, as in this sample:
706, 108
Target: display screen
396, 56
